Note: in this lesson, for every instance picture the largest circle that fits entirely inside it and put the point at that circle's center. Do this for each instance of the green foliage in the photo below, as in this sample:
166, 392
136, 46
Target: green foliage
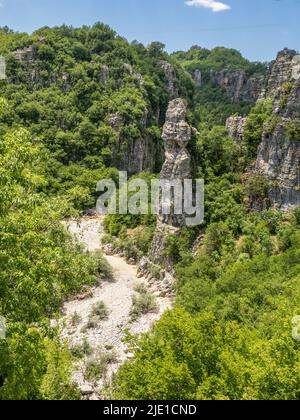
39, 264
96, 367
216, 152
82, 350
293, 130
230, 334
75, 82
217, 59
258, 188
100, 311
142, 303
260, 114
211, 102
85, 97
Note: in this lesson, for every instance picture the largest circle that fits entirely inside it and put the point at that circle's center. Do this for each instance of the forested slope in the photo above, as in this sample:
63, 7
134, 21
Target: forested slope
79, 104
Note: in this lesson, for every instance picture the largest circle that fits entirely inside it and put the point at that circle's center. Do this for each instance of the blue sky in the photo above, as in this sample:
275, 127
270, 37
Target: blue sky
258, 28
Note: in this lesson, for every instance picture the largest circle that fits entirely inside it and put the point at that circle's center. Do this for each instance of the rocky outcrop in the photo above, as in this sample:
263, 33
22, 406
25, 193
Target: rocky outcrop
177, 166
25, 54
2, 68
197, 76
239, 87
280, 72
236, 126
279, 153
171, 79
134, 155
104, 74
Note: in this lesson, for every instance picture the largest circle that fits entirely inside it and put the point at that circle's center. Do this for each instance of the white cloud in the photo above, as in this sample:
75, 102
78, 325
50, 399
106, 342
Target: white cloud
215, 6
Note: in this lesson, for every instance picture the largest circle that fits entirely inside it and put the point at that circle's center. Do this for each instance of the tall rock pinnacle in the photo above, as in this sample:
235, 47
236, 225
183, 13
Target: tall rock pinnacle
177, 166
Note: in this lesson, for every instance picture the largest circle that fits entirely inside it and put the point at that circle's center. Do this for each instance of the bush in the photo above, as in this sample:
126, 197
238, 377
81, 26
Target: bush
293, 130
76, 319
96, 367
100, 311
142, 304
81, 350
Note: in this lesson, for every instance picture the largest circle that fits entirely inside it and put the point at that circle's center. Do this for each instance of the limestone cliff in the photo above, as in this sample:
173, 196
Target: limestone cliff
177, 166
239, 87
171, 79
279, 153
134, 155
235, 126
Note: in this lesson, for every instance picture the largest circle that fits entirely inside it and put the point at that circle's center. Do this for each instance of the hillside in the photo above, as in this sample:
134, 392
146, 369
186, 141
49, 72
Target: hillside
79, 104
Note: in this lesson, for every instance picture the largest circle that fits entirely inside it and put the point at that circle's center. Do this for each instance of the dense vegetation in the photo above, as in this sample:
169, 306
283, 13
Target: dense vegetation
211, 102
40, 265
230, 333
66, 85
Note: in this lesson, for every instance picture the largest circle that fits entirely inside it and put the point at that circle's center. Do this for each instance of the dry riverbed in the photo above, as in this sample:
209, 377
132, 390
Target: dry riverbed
106, 337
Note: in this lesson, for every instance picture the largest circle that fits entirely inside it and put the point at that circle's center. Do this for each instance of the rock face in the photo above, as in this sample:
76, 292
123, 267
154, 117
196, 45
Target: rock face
280, 71
171, 79
25, 54
134, 155
278, 157
104, 74
279, 153
177, 166
198, 78
239, 87
235, 126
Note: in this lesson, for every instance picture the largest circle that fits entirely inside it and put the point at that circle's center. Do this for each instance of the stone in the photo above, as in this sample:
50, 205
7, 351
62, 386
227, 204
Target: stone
134, 155
25, 54
177, 166
237, 85
198, 77
171, 78
176, 135
104, 74
296, 67
278, 156
236, 126
280, 72
128, 68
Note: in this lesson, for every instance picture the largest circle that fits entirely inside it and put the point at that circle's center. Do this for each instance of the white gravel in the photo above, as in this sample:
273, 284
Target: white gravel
117, 296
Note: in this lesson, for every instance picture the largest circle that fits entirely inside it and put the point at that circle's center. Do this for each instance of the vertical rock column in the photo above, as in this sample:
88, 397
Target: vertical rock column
177, 166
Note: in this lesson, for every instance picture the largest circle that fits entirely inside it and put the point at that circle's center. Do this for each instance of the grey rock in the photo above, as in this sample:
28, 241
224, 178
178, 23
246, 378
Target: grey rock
279, 156
104, 74
280, 71
198, 77
128, 68
237, 84
25, 54
236, 126
176, 135
171, 78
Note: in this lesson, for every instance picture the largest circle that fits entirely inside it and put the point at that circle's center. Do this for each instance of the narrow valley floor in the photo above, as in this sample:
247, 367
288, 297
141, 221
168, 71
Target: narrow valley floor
108, 335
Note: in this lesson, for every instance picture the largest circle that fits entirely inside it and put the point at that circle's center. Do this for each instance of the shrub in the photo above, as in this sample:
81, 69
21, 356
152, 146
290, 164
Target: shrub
142, 304
96, 367
81, 350
293, 130
100, 311
76, 319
